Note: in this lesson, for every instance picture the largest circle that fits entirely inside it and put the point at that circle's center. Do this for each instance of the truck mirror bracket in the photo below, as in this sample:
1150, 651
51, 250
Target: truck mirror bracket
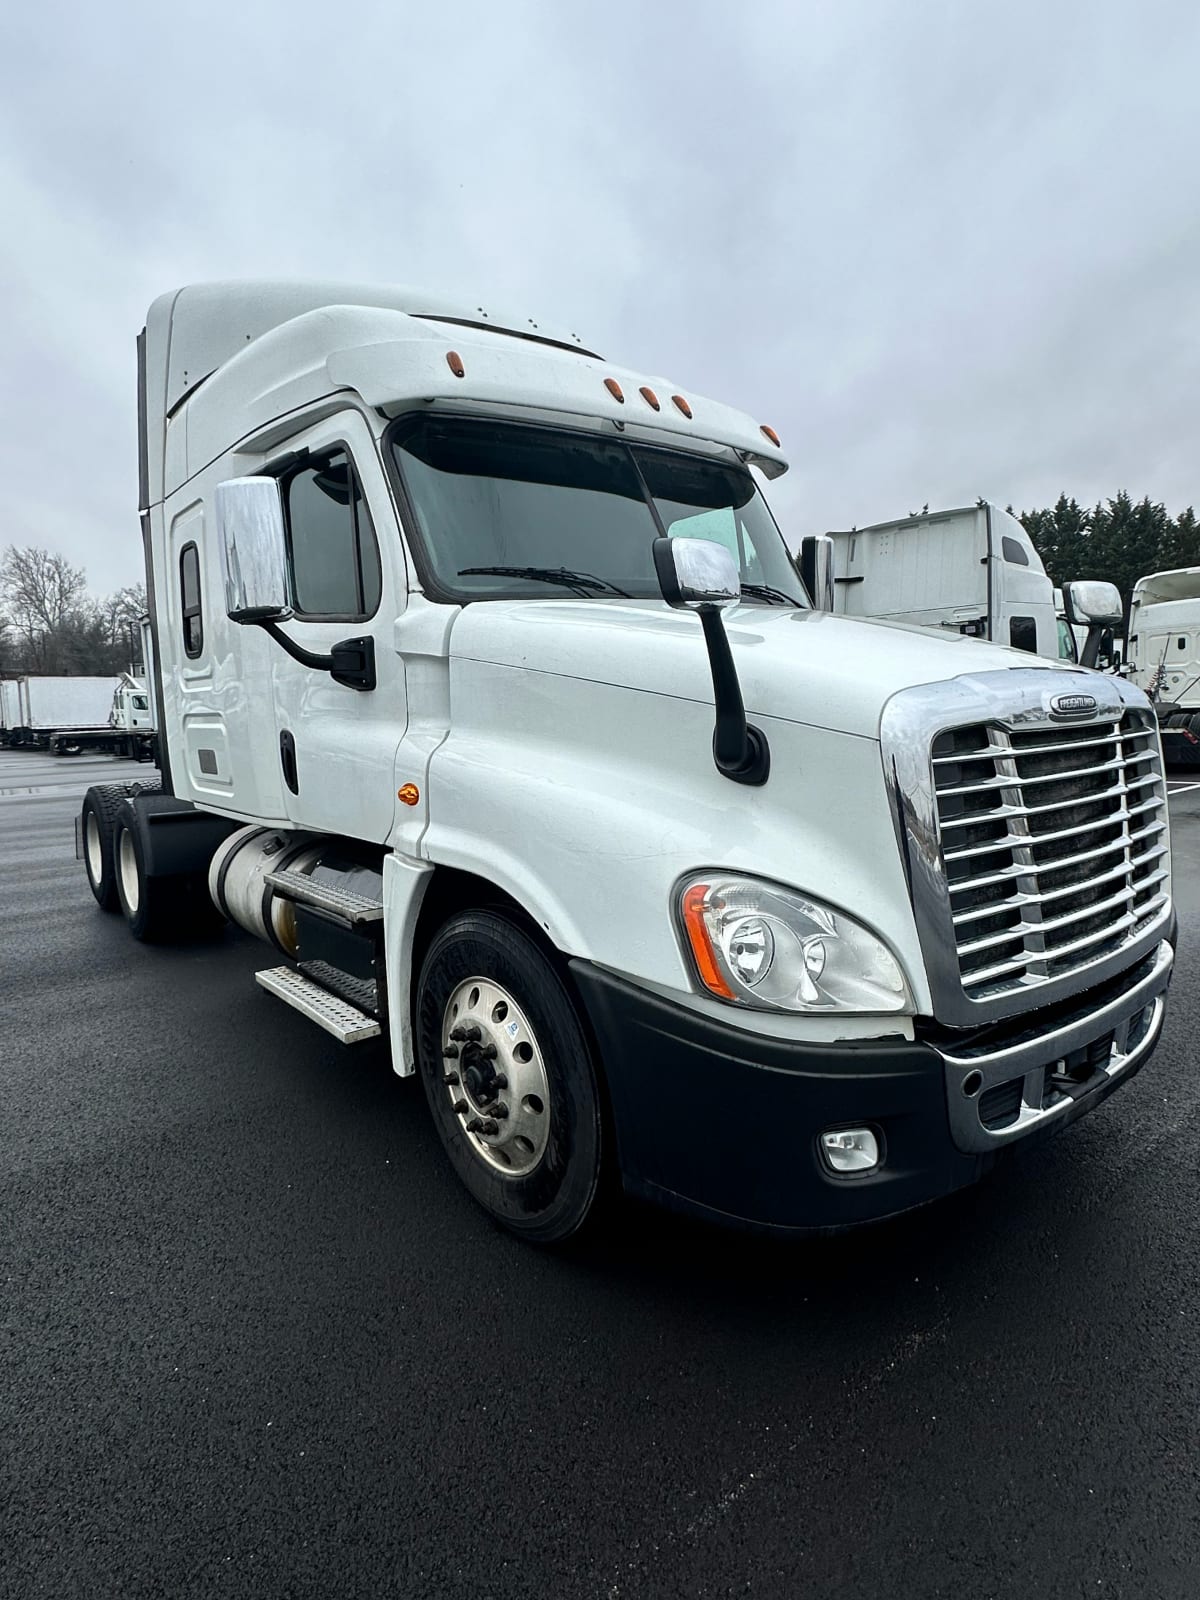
351, 662
740, 750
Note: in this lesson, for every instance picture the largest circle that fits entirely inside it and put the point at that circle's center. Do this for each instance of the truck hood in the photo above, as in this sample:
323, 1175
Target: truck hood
801, 666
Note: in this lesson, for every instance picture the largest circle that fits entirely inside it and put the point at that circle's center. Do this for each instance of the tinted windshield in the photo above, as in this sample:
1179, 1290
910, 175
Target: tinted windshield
490, 494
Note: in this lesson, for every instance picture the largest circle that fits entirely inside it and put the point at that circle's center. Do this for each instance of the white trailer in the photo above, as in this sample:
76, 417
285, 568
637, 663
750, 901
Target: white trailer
491, 700
44, 707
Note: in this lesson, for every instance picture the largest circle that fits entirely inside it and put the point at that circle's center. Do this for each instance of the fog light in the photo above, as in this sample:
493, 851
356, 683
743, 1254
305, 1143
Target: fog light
850, 1149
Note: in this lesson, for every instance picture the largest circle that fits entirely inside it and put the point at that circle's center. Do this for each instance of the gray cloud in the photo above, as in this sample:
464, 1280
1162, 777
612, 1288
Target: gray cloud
945, 250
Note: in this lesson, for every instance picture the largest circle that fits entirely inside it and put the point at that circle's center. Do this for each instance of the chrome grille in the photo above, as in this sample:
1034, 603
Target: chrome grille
1054, 844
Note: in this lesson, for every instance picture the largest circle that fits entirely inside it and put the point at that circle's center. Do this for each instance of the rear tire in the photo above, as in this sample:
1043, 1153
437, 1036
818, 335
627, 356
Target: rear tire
159, 910
98, 820
536, 1170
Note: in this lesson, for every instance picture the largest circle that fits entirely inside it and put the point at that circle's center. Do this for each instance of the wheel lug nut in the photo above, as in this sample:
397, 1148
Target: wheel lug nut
499, 1081
488, 1052
475, 1125
489, 1127
460, 1106
450, 1052
450, 1079
458, 1033
471, 1031
499, 1110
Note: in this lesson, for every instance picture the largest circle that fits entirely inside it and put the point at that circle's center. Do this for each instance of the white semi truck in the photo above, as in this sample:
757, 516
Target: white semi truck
973, 570
1163, 656
490, 698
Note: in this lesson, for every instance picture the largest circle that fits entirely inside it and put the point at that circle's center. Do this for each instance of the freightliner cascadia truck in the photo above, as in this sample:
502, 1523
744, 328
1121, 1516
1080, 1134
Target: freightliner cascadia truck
490, 697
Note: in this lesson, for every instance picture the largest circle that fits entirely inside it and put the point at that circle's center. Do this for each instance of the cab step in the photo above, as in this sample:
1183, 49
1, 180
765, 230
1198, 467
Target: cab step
345, 1022
343, 904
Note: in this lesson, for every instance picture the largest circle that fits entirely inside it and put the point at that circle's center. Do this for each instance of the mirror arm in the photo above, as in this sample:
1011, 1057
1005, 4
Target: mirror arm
740, 751
1091, 645
351, 662
306, 658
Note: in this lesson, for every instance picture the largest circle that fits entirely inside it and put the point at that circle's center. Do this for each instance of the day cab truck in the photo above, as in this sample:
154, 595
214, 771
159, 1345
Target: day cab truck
491, 699
973, 570
1163, 656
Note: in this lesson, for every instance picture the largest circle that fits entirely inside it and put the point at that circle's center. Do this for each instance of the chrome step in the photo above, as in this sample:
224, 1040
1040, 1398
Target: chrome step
338, 1017
341, 903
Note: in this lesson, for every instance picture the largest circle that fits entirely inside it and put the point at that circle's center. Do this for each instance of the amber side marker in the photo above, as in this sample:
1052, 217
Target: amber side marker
614, 389
682, 404
408, 794
770, 433
651, 399
454, 362
702, 947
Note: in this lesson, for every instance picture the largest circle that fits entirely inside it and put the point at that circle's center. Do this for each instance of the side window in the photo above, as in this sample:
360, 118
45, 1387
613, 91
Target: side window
190, 605
1012, 551
1066, 643
331, 542
1022, 633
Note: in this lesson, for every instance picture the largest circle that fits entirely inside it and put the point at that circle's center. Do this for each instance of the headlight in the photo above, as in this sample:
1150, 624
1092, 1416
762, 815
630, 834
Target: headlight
761, 946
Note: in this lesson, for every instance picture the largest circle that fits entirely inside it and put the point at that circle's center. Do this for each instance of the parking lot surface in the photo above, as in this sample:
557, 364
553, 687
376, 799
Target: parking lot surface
255, 1340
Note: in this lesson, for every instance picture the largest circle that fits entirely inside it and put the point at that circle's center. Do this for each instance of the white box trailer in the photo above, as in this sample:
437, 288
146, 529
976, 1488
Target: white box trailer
492, 702
972, 571
8, 707
46, 703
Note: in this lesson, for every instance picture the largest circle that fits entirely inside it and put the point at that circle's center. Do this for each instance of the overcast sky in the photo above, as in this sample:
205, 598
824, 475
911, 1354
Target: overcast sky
946, 249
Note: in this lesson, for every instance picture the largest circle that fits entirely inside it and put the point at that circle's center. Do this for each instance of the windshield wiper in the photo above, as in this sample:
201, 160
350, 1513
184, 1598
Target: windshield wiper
581, 582
764, 591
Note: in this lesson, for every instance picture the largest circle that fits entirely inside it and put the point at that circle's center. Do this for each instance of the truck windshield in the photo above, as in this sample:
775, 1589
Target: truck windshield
569, 513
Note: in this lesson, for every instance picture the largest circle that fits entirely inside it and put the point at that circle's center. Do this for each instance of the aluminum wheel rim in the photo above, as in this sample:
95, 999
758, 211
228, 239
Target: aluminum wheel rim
127, 866
495, 1077
91, 844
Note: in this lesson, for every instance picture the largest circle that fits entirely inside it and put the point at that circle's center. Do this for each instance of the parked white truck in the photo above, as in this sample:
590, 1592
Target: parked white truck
1163, 655
973, 570
45, 708
490, 697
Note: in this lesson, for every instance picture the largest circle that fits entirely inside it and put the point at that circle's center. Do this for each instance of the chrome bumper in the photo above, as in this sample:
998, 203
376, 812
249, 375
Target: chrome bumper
1134, 1019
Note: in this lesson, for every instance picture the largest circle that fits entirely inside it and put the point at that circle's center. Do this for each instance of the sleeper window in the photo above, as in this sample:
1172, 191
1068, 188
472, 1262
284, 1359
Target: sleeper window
331, 542
1022, 633
189, 599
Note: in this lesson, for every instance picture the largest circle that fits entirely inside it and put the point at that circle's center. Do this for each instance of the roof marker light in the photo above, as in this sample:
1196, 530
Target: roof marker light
454, 362
770, 433
682, 404
614, 389
649, 396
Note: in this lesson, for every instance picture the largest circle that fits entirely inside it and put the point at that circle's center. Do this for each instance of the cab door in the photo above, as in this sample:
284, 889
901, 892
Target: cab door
336, 744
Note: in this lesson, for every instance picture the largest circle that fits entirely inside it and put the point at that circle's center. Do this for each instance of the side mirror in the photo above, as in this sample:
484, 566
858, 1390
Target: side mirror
696, 572
816, 569
702, 576
253, 550
1093, 604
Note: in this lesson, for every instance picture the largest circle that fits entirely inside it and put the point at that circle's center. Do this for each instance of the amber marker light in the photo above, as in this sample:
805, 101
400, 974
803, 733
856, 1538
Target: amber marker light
454, 362
770, 434
682, 404
649, 396
408, 794
614, 389
703, 953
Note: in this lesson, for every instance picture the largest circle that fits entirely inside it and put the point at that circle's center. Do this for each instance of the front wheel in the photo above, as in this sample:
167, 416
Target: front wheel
509, 1076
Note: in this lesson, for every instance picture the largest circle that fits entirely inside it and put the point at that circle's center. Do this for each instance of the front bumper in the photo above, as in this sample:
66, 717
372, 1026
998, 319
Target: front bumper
723, 1123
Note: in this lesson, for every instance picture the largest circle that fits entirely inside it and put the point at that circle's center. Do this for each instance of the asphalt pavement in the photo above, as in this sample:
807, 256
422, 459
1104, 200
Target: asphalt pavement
256, 1341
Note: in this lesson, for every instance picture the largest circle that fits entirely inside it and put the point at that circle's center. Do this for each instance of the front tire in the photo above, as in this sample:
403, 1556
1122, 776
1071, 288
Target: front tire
509, 1076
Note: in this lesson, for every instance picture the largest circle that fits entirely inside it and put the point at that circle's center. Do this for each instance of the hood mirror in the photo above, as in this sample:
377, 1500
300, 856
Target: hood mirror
701, 575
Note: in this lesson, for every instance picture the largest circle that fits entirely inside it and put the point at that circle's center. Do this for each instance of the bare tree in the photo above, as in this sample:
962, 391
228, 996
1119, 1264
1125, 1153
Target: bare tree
45, 597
